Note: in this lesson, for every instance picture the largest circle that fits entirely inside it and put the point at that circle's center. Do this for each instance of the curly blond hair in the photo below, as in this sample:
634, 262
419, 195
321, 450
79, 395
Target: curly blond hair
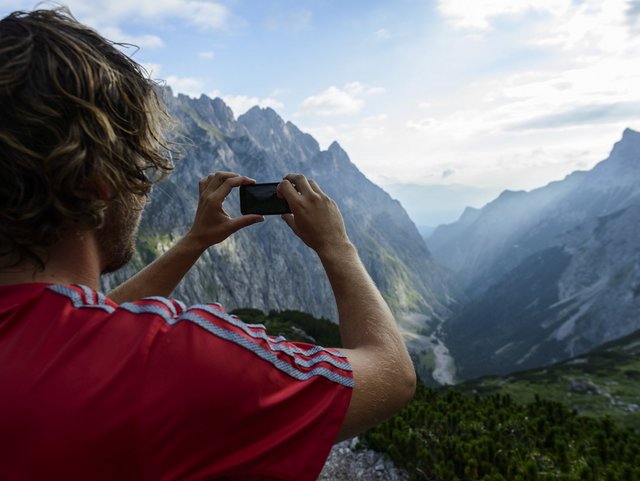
74, 110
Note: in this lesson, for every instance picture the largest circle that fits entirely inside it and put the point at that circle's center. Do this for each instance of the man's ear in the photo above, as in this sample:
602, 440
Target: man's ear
103, 189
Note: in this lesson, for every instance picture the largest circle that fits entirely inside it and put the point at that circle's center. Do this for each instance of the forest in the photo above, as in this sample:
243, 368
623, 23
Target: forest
450, 435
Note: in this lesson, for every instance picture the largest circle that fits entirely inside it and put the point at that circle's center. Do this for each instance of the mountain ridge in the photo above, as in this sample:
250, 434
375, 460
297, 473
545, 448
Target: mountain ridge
576, 240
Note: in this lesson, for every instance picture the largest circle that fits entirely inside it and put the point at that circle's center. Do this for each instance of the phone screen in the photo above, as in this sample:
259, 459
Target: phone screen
262, 199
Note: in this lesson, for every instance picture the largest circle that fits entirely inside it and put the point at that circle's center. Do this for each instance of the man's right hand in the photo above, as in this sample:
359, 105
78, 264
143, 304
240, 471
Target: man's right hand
383, 373
315, 217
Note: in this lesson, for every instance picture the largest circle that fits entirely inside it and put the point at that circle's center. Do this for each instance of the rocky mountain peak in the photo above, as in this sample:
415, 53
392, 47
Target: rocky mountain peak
257, 115
627, 150
621, 169
630, 134
215, 111
469, 215
509, 195
335, 148
268, 129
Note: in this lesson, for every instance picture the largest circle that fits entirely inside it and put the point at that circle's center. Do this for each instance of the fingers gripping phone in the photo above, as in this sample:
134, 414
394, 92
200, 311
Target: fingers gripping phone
262, 199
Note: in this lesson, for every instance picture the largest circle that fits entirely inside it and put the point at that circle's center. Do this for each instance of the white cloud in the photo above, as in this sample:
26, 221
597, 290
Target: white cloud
357, 88
371, 130
478, 14
190, 86
326, 134
208, 55
382, 34
106, 16
207, 15
153, 69
373, 127
338, 101
424, 124
591, 77
296, 21
587, 27
115, 34
241, 103
332, 101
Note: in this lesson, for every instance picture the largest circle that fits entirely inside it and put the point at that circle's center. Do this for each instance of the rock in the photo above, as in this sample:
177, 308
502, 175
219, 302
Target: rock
345, 463
583, 387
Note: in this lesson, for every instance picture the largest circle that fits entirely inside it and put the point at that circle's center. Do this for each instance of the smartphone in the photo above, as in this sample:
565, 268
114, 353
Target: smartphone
262, 199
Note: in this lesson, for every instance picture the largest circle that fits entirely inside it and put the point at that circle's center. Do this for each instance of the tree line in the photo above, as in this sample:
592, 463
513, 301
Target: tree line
454, 436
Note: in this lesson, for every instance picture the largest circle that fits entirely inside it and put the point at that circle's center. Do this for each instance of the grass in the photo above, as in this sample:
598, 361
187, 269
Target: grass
613, 370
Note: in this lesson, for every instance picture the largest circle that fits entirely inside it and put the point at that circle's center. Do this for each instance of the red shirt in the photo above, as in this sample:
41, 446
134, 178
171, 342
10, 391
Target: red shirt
152, 390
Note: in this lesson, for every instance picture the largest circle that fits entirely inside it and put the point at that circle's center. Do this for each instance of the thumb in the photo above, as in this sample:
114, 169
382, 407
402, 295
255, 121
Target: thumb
243, 221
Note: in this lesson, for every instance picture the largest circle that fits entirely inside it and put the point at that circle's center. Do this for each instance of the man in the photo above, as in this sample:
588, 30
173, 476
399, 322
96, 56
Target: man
136, 385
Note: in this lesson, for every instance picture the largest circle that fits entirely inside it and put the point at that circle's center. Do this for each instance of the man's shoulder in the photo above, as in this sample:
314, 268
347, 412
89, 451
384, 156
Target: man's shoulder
86, 300
207, 327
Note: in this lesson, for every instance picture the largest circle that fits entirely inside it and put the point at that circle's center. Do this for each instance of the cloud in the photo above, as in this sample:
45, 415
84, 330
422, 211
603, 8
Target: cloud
206, 15
373, 127
382, 34
332, 101
336, 101
115, 34
296, 21
422, 124
357, 88
107, 16
208, 55
370, 130
202, 14
479, 14
241, 103
633, 13
153, 69
190, 86
447, 173
587, 114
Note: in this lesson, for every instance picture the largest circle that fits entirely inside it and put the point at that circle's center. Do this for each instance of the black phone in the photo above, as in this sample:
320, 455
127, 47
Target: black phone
262, 199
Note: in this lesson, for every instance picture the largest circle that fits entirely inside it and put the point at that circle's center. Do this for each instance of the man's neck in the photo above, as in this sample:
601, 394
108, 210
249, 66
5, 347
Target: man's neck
73, 260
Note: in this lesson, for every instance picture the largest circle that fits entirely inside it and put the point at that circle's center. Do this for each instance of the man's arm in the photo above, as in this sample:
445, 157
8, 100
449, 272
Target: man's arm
384, 376
211, 226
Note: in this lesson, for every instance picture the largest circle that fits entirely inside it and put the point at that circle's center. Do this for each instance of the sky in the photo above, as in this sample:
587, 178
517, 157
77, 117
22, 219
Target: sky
485, 94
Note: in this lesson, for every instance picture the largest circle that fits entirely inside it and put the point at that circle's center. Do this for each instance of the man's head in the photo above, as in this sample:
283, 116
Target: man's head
81, 134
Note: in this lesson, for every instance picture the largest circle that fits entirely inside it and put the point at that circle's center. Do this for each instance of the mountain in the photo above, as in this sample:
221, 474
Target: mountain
265, 266
551, 273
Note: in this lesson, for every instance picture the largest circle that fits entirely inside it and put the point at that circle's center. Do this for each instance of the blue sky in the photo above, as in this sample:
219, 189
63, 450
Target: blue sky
494, 94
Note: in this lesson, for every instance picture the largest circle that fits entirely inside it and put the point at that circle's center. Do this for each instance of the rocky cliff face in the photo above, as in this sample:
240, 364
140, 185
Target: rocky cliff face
552, 272
266, 266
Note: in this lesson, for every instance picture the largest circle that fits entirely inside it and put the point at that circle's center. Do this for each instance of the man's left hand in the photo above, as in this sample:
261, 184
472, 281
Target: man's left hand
212, 224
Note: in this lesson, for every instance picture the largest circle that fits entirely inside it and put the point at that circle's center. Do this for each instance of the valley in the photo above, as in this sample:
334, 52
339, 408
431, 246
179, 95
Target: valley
530, 279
